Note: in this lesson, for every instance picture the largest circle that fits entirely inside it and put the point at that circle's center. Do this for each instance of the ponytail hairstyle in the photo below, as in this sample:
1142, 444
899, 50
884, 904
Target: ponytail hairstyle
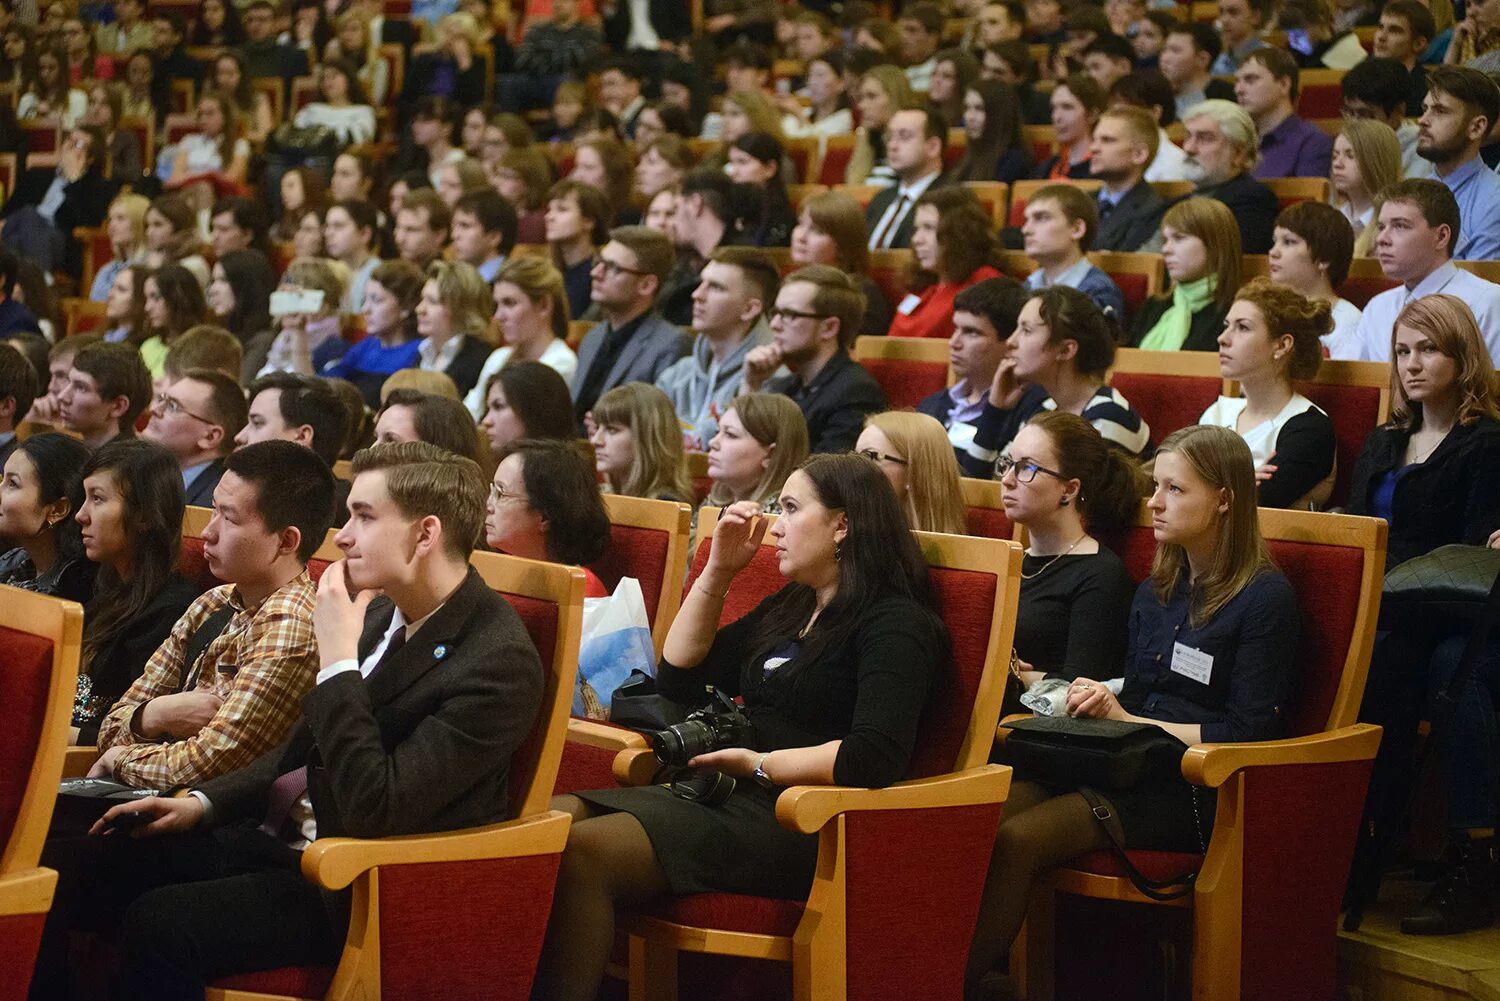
1112, 482
1070, 315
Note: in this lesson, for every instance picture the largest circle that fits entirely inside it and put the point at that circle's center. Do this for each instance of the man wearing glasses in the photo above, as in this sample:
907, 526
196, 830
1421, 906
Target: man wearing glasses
197, 418
817, 315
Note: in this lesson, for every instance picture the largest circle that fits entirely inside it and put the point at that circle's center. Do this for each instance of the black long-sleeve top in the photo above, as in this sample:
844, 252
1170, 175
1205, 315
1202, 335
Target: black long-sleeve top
1071, 618
869, 691
1454, 496
1253, 640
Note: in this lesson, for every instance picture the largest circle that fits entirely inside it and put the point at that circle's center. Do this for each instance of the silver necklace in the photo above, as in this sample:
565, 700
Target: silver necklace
1040, 570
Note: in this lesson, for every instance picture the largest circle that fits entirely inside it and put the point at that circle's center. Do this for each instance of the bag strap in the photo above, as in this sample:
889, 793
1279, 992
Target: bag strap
208, 630
1160, 890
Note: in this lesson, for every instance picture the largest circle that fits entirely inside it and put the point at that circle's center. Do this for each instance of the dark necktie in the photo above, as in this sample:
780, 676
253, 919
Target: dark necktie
1105, 208
887, 233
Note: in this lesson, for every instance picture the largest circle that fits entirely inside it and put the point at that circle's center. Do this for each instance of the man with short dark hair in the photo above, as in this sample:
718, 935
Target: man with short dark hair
422, 227
1461, 107
1419, 224
984, 316
1107, 59
1058, 231
1266, 85
264, 56
620, 93
707, 211
1044, 22
1186, 54
553, 49
108, 387
169, 53
915, 139
813, 325
1000, 21
238, 224
919, 30
421, 698
197, 418
729, 318
1406, 30
18, 387
301, 409
483, 231
128, 32
1240, 25
1379, 89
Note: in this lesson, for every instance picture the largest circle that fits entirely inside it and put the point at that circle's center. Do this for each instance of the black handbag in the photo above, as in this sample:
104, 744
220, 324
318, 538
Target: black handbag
1452, 580
635, 704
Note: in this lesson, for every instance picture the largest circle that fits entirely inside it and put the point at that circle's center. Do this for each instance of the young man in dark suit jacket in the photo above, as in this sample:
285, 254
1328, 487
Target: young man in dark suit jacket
1125, 142
422, 697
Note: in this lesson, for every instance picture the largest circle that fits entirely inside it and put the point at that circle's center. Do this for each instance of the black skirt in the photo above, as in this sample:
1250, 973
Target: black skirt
735, 847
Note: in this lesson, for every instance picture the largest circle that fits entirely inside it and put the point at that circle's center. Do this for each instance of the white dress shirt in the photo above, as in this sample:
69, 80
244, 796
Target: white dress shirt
1372, 338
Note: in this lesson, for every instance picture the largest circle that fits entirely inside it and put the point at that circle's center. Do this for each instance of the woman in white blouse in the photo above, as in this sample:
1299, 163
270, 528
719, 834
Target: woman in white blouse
1310, 253
344, 107
531, 310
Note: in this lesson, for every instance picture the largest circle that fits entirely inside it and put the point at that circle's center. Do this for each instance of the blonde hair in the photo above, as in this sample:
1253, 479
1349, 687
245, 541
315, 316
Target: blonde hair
467, 297
659, 468
1378, 153
430, 383
758, 108
1211, 221
898, 91
776, 423
1221, 459
1448, 322
135, 207
538, 280
934, 496
465, 25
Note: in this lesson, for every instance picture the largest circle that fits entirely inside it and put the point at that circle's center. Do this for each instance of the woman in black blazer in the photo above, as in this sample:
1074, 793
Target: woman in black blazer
1200, 247
453, 318
1433, 473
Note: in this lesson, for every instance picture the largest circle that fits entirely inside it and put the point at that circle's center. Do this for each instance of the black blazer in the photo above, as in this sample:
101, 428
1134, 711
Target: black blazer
1452, 497
200, 492
883, 200
468, 363
835, 404
666, 18
425, 744
1133, 221
85, 203
1203, 332
1255, 208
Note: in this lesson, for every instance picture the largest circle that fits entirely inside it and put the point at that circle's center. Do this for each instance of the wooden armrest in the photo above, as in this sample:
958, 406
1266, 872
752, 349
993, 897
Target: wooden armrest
334, 863
78, 760
1211, 765
584, 731
807, 808
636, 766
27, 892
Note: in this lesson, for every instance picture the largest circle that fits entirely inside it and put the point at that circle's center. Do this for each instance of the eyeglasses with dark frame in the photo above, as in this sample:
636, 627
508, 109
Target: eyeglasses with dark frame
172, 405
1025, 469
609, 268
874, 456
776, 312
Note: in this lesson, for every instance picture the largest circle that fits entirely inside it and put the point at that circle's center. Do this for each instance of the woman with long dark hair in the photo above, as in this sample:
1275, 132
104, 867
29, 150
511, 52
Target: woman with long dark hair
173, 301
834, 669
131, 516
996, 150
954, 243
40, 491
526, 399
240, 299
545, 505
755, 158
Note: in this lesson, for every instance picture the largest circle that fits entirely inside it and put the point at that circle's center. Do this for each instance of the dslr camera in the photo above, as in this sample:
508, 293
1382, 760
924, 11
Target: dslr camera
717, 725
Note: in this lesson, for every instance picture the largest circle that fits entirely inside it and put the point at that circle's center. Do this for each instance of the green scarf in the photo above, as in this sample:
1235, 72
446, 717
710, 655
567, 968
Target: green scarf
1172, 329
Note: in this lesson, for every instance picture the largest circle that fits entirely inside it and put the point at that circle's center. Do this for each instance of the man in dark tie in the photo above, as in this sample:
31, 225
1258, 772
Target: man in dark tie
421, 698
914, 144
1124, 144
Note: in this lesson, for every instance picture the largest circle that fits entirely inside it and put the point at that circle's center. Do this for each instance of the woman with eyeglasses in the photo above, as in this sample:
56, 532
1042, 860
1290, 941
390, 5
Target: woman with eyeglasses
914, 453
1061, 349
761, 439
1211, 652
545, 505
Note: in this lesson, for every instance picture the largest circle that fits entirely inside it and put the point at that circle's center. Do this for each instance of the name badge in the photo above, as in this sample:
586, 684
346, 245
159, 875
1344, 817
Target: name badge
909, 304
1191, 663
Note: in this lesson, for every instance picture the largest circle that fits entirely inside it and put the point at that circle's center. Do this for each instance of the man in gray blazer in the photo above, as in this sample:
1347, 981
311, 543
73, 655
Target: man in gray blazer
421, 699
633, 344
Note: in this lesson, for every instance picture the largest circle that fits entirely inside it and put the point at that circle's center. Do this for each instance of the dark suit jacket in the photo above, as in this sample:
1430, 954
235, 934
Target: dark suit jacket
835, 404
85, 203
1203, 332
1255, 208
425, 744
666, 18
1133, 221
654, 345
468, 85
468, 363
200, 492
883, 200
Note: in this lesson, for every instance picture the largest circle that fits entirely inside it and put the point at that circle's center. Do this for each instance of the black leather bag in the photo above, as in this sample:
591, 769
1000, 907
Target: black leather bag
1099, 753
636, 704
1451, 581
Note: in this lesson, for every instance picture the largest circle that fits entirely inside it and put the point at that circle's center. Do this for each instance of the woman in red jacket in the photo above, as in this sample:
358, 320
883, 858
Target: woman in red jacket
955, 246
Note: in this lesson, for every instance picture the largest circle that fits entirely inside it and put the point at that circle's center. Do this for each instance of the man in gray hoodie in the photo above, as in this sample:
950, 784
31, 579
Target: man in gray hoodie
729, 316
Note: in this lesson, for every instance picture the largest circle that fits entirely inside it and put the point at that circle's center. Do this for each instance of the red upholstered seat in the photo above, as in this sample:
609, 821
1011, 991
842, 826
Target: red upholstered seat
835, 162
287, 981
759, 580
315, 568
1167, 402
635, 552
193, 564
28, 675
1321, 100
585, 766
1361, 290
540, 619
1133, 287
891, 281
989, 523
1355, 412
732, 912
963, 598
905, 382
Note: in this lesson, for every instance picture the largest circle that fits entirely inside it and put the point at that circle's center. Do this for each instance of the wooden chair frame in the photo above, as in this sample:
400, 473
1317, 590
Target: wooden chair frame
676, 520
1373, 374
986, 494
1218, 894
1187, 364
336, 863
817, 949
916, 349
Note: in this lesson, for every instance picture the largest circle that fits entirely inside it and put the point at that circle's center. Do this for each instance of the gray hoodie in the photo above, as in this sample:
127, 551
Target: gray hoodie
700, 390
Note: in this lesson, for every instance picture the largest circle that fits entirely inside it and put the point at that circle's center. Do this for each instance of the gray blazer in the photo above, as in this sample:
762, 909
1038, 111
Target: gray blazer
654, 345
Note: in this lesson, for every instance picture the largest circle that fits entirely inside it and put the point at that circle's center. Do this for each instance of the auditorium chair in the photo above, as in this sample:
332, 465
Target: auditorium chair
1291, 190
1489, 270
909, 369
82, 316
1169, 389
803, 152
893, 904
40, 641
9, 174
1138, 275
1021, 192
986, 517
837, 152
796, 194
97, 252
145, 134
1042, 138
1265, 906
304, 92
1320, 94
43, 135
648, 541
459, 914
888, 270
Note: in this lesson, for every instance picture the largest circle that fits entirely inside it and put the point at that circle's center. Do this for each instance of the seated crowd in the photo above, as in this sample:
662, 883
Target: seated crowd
461, 311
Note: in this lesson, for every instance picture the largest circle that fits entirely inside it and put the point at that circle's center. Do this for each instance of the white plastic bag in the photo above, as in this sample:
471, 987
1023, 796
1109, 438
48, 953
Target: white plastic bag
616, 640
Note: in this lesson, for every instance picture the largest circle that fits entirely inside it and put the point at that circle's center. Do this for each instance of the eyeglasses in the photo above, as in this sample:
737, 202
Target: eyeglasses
1025, 469
874, 456
171, 405
499, 493
792, 314
609, 268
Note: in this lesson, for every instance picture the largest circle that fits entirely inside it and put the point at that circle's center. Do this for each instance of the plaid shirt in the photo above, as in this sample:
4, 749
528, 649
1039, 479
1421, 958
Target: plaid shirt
261, 665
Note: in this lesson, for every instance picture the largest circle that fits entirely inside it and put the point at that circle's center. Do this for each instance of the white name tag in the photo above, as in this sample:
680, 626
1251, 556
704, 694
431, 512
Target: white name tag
1191, 663
909, 304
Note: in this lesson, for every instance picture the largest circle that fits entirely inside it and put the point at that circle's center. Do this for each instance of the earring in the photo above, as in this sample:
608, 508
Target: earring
838, 551
1063, 502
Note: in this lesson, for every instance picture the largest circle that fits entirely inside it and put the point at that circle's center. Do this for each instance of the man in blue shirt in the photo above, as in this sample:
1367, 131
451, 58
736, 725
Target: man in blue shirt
1265, 85
1461, 106
1061, 221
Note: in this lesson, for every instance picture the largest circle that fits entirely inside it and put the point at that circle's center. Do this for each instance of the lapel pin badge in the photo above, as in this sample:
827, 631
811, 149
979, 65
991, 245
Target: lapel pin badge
439, 652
